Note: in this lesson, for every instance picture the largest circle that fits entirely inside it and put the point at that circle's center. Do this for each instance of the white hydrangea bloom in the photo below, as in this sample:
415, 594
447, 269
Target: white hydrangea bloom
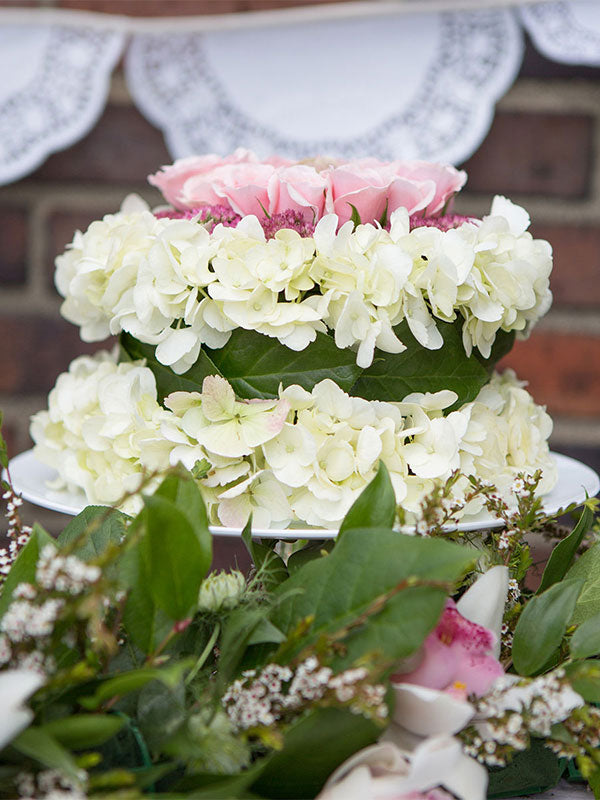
99, 413
304, 457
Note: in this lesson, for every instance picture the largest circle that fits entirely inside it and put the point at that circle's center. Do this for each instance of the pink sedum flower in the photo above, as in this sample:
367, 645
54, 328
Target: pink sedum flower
456, 657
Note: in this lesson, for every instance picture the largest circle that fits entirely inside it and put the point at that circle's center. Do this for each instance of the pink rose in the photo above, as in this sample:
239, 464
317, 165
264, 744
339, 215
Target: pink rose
456, 657
171, 179
300, 188
371, 186
246, 187
445, 180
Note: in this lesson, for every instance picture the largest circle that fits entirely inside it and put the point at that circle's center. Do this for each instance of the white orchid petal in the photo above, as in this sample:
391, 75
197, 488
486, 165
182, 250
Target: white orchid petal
427, 711
483, 603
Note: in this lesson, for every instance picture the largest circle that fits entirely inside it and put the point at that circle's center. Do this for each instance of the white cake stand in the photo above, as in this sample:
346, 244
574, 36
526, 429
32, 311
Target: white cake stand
30, 478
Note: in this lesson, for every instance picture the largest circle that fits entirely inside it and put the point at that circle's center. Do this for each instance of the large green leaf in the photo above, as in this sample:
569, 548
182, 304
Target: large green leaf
24, 567
530, 772
392, 376
542, 625
375, 507
93, 530
563, 554
313, 747
82, 731
365, 564
255, 365
587, 567
38, 744
586, 639
176, 560
182, 490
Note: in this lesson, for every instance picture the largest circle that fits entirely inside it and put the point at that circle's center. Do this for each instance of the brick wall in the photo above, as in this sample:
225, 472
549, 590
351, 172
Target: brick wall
542, 150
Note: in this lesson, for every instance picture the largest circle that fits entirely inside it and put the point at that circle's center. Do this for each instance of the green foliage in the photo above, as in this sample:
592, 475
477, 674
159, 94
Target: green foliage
392, 376
565, 551
586, 639
585, 679
23, 569
532, 771
38, 744
92, 531
255, 365
165, 566
542, 625
127, 682
270, 567
587, 568
375, 507
82, 731
364, 565
313, 747
314, 549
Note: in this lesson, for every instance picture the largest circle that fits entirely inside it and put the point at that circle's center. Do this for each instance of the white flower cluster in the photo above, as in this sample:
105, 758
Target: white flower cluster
304, 457
17, 534
28, 623
171, 283
262, 698
50, 784
66, 574
516, 708
97, 413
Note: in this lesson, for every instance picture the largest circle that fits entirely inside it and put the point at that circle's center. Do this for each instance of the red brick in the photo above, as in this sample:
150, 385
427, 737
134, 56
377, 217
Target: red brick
562, 370
575, 277
13, 246
154, 8
36, 351
121, 149
546, 154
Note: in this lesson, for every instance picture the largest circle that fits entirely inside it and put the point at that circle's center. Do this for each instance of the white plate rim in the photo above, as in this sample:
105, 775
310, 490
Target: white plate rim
584, 480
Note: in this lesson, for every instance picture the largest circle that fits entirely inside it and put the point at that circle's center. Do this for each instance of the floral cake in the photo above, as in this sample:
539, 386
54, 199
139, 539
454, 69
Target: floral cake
284, 327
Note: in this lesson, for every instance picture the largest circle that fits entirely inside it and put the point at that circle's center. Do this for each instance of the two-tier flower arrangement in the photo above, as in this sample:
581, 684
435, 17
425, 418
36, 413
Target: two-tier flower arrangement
284, 327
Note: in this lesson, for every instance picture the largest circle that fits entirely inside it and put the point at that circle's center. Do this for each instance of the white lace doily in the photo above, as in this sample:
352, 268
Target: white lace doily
418, 86
566, 31
54, 88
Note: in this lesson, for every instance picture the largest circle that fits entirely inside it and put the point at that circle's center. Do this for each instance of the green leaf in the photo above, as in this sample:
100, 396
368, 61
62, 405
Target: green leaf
82, 731
175, 558
585, 641
565, 551
38, 744
266, 633
375, 507
128, 682
182, 490
585, 679
587, 568
95, 528
270, 564
237, 633
166, 380
313, 747
144, 621
502, 346
392, 376
365, 564
542, 625
24, 567
255, 365
355, 217
314, 549
530, 772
